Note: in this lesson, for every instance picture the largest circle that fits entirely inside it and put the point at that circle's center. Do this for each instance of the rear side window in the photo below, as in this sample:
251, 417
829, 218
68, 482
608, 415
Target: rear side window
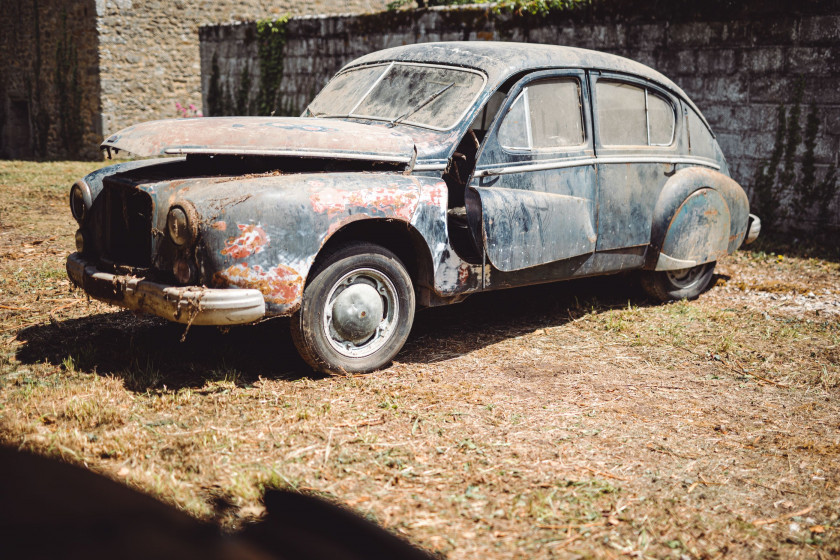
630, 115
700, 139
547, 115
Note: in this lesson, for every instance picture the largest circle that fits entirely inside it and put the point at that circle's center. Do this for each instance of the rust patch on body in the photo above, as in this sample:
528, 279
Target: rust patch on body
219, 226
251, 241
281, 285
434, 195
333, 201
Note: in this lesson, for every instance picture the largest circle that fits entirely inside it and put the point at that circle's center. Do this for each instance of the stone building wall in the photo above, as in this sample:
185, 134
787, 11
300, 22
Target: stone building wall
149, 49
49, 78
73, 71
742, 63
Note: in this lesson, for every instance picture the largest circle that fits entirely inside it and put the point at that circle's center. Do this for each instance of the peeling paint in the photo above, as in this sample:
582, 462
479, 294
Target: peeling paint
395, 200
252, 241
280, 285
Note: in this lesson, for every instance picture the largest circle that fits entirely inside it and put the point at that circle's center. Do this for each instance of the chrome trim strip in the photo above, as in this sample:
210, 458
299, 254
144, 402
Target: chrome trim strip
430, 167
661, 159
592, 161
293, 153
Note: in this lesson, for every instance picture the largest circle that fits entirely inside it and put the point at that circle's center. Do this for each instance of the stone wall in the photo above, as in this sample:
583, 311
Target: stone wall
149, 49
742, 63
73, 71
49, 102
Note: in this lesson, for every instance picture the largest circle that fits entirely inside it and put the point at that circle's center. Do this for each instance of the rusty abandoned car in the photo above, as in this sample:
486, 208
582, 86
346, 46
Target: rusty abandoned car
419, 175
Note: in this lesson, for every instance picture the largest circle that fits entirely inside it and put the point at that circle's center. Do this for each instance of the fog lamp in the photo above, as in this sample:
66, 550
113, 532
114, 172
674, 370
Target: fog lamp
184, 271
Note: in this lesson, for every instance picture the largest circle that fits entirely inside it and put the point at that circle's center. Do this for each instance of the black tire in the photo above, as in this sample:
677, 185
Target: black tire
332, 329
670, 285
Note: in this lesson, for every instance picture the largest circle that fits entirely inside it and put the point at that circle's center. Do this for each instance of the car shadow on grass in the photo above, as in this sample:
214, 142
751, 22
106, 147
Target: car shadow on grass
150, 353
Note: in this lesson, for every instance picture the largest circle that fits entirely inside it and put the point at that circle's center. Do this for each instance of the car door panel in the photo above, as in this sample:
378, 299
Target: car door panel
537, 205
632, 167
524, 228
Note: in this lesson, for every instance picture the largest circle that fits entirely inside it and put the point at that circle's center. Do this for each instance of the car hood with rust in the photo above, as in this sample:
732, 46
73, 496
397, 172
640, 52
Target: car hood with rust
264, 136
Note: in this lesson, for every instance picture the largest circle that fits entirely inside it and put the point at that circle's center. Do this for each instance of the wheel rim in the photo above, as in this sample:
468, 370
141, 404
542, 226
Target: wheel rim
686, 277
361, 312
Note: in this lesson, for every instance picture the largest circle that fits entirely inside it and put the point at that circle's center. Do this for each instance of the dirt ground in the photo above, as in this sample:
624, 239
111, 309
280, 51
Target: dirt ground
568, 420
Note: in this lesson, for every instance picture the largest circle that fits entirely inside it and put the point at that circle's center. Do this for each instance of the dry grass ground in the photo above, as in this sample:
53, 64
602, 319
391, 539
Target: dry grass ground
571, 420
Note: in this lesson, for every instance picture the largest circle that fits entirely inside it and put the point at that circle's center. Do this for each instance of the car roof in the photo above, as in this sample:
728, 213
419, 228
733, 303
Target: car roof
501, 60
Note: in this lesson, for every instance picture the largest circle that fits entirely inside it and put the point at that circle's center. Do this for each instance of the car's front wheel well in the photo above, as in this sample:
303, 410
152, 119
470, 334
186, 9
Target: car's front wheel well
395, 235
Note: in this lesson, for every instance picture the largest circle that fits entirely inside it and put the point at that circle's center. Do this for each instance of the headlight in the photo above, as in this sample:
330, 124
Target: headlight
178, 226
77, 203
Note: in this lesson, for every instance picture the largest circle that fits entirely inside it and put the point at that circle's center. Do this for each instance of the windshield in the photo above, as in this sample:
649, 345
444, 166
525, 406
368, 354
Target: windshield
434, 97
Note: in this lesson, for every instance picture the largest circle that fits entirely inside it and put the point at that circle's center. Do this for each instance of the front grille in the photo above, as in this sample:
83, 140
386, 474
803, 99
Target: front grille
128, 225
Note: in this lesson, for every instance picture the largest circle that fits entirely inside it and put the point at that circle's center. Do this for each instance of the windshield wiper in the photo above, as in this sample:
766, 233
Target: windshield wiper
420, 105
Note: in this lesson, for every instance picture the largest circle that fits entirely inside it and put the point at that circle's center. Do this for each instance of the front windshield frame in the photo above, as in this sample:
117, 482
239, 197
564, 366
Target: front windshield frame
386, 67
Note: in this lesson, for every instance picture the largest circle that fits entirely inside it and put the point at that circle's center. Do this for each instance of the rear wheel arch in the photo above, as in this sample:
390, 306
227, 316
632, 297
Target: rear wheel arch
692, 189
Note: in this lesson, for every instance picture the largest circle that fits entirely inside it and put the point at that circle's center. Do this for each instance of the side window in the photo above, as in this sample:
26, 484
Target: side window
546, 116
513, 133
700, 139
630, 115
660, 120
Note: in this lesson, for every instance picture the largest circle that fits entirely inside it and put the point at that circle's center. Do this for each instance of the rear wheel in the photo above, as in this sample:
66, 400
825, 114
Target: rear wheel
357, 310
686, 283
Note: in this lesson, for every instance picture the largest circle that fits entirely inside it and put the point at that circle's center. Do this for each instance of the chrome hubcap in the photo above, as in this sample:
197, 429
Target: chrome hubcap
360, 313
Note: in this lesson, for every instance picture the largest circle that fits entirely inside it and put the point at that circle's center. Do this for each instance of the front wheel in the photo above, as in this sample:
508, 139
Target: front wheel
357, 310
686, 283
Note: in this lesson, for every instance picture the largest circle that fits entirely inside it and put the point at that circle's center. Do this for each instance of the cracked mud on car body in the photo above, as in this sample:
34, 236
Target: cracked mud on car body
417, 176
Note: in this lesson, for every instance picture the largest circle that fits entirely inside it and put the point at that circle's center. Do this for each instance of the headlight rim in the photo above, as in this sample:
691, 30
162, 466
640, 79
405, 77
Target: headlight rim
190, 230
86, 200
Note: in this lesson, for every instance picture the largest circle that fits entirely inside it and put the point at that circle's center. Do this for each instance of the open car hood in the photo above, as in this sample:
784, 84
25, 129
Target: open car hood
264, 136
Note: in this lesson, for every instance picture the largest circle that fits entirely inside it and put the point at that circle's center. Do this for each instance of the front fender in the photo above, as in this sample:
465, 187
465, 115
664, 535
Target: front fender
700, 216
265, 232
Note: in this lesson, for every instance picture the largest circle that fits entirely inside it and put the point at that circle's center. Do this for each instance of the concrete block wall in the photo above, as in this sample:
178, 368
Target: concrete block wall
739, 62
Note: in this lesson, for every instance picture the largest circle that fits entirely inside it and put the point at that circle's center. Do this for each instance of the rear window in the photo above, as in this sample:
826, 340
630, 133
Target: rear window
631, 115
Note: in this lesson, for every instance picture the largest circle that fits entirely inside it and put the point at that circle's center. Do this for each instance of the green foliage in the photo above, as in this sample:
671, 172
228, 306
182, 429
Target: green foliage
68, 91
271, 37
539, 7
534, 7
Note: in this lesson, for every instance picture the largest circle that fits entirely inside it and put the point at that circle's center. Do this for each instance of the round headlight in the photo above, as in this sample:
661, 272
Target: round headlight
178, 226
77, 203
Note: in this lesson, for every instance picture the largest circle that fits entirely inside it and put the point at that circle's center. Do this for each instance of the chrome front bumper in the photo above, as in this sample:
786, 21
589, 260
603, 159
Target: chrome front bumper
183, 304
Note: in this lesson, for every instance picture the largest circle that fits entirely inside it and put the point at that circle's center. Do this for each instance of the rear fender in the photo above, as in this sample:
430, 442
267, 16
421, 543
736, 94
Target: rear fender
701, 215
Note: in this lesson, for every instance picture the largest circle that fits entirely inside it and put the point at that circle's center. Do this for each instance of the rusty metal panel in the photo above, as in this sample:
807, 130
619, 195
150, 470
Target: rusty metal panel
264, 136
528, 228
699, 231
264, 232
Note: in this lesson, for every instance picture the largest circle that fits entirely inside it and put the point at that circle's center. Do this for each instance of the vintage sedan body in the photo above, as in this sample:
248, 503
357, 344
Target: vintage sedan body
418, 176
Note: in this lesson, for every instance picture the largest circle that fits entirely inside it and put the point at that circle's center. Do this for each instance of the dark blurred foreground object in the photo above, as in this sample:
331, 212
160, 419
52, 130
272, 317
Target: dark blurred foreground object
52, 509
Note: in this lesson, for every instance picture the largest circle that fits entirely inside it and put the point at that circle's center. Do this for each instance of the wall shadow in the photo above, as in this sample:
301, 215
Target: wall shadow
147, 352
